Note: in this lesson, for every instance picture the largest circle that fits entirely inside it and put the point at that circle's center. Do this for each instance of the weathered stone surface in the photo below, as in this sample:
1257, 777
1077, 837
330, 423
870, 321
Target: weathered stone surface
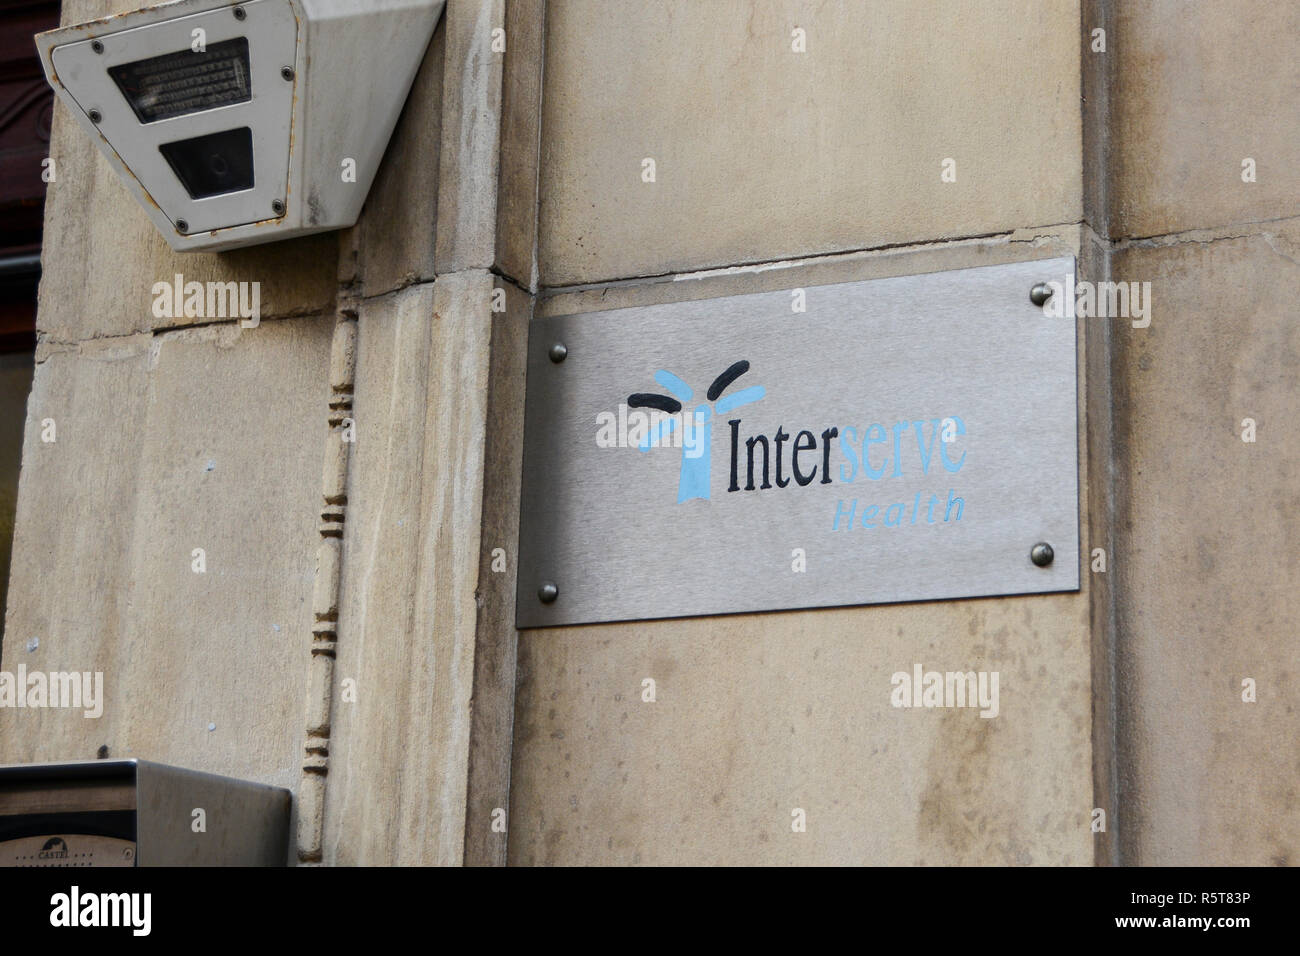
1197, 88
198, 439
392, 244
73, 537
496, 637
521, 118
1097, 442
760, 714
1205, 563
15, 383
411, 560
75, 11
1020, 246
471, 131
762, 153
757, 716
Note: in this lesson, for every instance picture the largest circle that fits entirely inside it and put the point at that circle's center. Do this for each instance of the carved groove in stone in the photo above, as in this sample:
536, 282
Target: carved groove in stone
325, 592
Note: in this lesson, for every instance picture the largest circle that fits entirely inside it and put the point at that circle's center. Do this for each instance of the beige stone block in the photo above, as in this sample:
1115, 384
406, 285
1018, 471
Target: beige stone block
16, 370
520, 160
762, 153
334, 475
325, 594
198, 439
1019, 246
77, 11
70, 598
343, 356
757, 716
494, 648
310, 806
319, 691
1197, 88
471, 136
1205, 564
1097, 443
411, 552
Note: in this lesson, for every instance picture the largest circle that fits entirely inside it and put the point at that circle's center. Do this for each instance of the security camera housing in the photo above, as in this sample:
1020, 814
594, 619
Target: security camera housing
241, 123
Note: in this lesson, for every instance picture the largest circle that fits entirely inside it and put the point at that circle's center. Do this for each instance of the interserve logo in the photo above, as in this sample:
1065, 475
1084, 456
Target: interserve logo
697, 469
772, 459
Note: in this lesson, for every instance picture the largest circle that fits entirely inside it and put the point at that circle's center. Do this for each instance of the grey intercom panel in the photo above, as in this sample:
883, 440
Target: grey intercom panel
136, 813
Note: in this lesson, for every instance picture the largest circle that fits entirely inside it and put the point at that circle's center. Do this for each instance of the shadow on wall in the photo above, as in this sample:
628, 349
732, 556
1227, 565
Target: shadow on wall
15, 383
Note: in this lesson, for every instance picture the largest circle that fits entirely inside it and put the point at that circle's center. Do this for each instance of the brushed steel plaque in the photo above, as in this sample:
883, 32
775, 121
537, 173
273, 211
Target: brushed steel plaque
919, 436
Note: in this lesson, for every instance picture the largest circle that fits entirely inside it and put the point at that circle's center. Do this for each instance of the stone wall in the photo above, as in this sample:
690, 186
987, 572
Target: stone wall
350, 636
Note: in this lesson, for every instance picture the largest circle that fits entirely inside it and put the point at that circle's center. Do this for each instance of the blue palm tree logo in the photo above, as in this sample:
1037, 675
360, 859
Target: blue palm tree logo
697, 429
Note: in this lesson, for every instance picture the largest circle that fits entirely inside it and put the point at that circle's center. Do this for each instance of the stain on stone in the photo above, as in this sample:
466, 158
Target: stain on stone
1205, 555
961, 797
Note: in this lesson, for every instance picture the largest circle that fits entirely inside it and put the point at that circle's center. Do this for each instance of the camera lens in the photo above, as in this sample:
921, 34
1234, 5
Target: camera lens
213, 164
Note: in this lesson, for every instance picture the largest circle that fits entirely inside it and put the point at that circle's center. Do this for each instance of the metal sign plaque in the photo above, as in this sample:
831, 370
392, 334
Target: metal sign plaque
889, 440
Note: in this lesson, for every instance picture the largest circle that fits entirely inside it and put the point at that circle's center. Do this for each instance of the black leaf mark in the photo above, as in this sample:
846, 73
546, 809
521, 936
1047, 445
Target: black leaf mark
726, 378
661, 402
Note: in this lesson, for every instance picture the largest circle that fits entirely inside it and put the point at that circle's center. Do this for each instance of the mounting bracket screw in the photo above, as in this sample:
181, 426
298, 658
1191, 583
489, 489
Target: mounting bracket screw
1041, 554
558, 352
1040, 293
548, 592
